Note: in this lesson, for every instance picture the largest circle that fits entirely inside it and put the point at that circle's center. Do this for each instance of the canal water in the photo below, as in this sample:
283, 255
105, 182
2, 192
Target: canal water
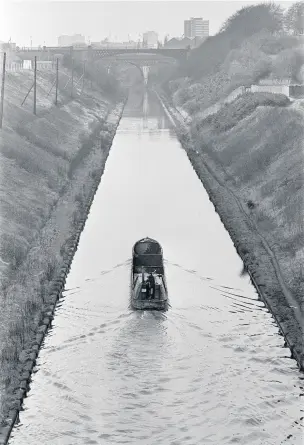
211, 370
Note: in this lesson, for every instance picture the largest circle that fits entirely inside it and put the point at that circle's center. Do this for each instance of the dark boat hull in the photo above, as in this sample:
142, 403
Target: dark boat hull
148, 262
149, 305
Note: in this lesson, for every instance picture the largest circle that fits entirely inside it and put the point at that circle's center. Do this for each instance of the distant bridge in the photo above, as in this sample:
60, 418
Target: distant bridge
93, 54
142, 58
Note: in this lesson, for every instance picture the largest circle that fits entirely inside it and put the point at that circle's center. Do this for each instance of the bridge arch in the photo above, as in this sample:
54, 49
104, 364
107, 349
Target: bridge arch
139, 61
129, 63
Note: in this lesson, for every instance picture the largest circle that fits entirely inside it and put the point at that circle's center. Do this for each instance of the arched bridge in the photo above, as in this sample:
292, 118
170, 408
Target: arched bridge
94, 54
142, 58
140, 53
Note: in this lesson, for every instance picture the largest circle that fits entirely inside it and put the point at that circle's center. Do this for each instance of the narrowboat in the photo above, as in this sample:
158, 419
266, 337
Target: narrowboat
148, 282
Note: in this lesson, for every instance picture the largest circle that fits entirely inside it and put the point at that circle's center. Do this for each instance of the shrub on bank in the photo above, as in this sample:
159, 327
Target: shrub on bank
101, 133
98, 74
231, 114
252, 45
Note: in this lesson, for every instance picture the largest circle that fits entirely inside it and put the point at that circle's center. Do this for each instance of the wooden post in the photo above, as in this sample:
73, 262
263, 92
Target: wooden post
2, 89
91, 73
72, 79
35, 84
56, 92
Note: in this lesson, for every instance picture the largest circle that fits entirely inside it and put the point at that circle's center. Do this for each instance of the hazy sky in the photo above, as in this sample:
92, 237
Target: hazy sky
44, 21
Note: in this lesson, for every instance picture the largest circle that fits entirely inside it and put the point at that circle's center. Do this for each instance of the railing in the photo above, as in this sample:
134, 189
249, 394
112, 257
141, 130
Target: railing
45, 48
95, 48
25, 48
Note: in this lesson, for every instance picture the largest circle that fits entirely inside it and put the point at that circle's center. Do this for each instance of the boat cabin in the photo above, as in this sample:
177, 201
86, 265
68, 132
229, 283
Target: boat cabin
148, 280
148, 254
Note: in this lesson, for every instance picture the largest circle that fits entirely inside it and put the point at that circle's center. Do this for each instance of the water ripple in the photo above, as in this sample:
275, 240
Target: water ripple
211, 370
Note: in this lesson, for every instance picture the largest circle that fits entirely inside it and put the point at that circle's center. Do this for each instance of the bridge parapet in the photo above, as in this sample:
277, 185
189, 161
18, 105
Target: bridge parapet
93, 53
106, 52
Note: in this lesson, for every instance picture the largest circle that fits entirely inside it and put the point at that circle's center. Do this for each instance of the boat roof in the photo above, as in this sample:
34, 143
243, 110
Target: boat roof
147, 246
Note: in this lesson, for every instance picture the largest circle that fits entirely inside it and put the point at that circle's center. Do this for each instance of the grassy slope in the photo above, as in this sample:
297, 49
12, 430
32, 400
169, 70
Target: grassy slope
256, 142
35, 156
42, 192
261, 158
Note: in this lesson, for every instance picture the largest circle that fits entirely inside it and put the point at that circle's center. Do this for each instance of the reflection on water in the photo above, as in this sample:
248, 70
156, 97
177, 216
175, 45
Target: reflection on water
147, 116
210, 370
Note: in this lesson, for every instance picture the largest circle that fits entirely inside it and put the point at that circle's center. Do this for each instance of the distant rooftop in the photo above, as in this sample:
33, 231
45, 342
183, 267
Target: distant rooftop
183, 42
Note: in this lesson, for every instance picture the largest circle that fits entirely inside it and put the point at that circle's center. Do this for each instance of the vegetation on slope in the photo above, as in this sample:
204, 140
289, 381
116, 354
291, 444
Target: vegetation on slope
260, 155
255, 43
43, 194
230, 115
256, 141
107, 84
38, 155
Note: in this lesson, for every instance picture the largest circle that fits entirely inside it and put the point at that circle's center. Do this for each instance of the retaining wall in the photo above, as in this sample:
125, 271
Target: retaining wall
275, 89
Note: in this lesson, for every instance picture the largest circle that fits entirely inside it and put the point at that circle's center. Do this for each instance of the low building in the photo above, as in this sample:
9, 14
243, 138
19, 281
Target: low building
183, 43
8, 47
12, 60
176, 43
275, 89
197, 41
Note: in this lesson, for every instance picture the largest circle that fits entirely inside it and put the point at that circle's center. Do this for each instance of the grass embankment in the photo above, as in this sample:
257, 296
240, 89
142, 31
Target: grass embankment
254, 145
49, 165
242, 218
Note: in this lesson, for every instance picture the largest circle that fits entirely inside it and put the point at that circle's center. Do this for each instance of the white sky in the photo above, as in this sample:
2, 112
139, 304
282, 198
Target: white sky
43, 21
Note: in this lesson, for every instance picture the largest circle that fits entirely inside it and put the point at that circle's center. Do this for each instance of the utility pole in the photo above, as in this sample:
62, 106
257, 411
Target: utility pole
2, 89
56, 92
91, 74
83, 78
72, 79
35, 84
